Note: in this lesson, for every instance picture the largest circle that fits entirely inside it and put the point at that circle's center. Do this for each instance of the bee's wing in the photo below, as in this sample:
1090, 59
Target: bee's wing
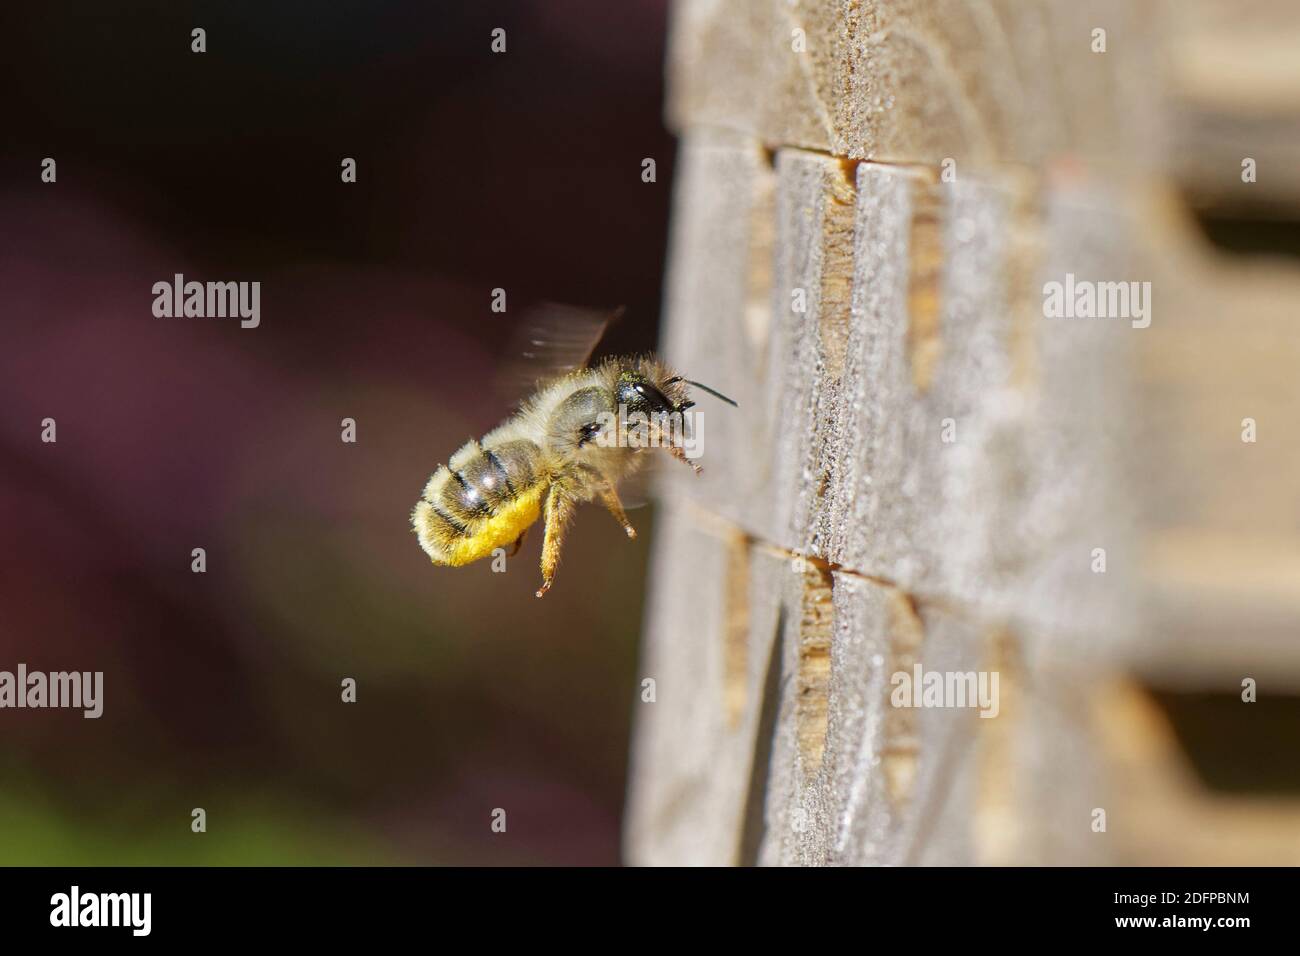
550, 340
645, 483
637, 489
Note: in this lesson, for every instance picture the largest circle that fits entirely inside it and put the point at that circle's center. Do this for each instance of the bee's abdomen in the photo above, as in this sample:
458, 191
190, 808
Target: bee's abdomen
509, 466
474, 500
482, 480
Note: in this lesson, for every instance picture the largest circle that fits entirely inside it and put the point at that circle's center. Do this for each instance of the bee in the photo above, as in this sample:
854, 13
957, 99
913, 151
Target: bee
555, 453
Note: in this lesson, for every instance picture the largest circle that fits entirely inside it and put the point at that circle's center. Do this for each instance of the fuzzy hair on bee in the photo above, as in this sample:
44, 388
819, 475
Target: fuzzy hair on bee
552, 455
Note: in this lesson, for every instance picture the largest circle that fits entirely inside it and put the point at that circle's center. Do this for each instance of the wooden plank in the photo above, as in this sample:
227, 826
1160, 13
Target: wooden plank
838, 540
719, 328
740, 65
1220, 548
1234, 93
1007, 81
702, 749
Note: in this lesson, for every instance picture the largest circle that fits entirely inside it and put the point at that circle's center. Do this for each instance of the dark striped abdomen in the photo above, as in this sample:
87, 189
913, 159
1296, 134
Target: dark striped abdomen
476, 486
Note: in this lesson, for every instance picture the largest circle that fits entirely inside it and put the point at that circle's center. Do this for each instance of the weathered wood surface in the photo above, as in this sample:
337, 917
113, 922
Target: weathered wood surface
915, 81
1234, 93
923, 465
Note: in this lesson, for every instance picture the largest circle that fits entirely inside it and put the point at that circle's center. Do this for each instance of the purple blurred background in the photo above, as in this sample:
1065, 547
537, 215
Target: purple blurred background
476, 170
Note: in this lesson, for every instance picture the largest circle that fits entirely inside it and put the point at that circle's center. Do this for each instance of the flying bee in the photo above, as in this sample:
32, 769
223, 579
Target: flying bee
569, 443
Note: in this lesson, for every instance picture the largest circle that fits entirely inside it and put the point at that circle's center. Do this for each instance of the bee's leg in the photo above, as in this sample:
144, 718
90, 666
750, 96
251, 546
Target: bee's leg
658, 438
609, 497
559, 508
678, 452
519, 543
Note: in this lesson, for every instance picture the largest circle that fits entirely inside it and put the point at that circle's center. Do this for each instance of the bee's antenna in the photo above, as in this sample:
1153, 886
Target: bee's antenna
678, 378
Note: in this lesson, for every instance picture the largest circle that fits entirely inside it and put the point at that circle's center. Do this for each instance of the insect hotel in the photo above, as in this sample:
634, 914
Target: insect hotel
999, 560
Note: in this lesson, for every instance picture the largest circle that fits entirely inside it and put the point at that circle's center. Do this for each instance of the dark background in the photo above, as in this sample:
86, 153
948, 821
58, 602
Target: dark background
476, 170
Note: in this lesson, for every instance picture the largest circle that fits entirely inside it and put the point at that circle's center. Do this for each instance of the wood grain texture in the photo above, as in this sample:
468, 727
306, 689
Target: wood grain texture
925, 466
1002, 81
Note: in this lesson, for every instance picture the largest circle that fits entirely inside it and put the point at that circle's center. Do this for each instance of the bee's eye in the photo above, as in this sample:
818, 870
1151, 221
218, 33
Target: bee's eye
644, 397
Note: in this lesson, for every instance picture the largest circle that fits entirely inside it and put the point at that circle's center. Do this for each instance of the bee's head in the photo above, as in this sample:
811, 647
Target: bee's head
639, 392
650, 388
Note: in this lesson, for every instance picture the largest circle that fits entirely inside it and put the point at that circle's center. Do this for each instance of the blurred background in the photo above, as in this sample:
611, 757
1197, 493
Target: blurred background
475, 171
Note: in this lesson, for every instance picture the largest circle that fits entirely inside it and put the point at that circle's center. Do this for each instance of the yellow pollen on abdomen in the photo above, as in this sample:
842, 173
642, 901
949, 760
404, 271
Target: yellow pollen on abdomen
499, 531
